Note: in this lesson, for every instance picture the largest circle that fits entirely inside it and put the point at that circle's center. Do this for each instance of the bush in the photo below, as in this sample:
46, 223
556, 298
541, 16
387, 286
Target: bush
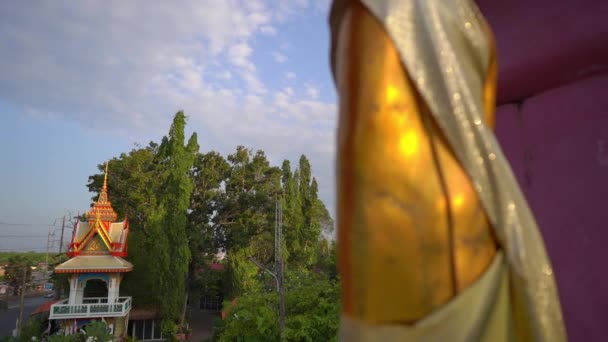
32, 329
312, 308
254, 317
169, 329
98, 330
69, 338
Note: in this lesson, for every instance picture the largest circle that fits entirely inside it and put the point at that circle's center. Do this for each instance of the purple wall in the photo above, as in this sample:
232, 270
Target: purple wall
543, 44
553, 125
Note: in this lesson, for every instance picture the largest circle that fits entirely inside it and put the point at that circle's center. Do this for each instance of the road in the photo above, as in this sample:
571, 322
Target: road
9, 318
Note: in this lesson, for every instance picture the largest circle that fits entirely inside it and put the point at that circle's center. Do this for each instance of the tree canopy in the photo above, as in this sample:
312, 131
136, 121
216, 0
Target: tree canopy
184, 206
18, 267
152, 186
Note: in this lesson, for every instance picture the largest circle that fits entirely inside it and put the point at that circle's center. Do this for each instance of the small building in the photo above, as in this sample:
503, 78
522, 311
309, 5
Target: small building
96, 268
145, 325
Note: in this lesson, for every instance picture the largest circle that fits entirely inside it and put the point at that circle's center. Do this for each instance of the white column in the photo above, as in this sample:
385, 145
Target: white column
73, 289
80, 291
110, 289
113, 287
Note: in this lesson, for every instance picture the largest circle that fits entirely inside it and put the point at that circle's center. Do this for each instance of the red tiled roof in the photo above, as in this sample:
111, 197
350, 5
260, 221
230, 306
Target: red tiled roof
44, 307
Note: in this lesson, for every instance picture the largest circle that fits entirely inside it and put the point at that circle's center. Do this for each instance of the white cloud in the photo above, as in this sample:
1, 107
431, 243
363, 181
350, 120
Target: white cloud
279, 57
239, 56
224, 75
254, 84
120, 67
286, 9
311, 91
268, 30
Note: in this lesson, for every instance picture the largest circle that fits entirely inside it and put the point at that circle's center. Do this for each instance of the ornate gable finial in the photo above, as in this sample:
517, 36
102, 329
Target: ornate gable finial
103, 208
105, 178
103, 195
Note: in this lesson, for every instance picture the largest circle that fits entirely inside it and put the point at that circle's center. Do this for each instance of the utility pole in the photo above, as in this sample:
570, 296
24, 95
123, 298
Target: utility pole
61, 241
48, 243
20, 321
279, 262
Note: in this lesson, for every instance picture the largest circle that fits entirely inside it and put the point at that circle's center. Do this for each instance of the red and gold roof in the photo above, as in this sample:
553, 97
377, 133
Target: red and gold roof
100, 235
95, 264
102, 209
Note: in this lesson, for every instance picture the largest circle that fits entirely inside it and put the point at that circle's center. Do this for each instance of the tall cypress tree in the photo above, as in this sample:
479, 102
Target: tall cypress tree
172, 221
302, 213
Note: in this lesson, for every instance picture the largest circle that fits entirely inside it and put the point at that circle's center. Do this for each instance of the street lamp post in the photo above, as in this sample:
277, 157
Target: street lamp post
279, 285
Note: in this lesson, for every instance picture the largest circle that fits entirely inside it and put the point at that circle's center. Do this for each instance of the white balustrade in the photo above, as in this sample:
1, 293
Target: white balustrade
91, 307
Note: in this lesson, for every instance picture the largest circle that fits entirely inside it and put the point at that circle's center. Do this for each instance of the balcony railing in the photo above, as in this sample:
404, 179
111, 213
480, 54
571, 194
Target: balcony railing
91, 307
96, 300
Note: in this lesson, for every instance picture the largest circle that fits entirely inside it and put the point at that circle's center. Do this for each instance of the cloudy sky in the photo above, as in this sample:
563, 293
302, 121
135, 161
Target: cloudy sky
83, 81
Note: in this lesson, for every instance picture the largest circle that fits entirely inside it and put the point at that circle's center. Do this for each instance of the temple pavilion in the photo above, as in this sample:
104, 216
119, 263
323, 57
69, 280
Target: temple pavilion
95, 270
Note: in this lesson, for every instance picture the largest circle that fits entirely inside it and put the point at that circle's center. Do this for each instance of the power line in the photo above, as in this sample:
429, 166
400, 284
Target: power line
27, 224
23, 249
23, 236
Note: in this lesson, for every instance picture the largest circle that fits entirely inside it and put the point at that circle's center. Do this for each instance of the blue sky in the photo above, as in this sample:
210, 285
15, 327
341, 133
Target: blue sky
84, 81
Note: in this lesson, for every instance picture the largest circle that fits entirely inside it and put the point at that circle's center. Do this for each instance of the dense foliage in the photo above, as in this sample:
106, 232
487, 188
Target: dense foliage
18, 267
185, 206
312, 310
32, 257
32, 331
152, 187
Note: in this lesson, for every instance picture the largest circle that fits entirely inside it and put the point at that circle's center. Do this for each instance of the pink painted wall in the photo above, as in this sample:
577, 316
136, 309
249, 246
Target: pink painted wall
553, 125
543, 44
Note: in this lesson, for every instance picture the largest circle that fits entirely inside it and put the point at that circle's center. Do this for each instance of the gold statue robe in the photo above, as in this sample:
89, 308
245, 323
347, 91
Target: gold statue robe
436, 241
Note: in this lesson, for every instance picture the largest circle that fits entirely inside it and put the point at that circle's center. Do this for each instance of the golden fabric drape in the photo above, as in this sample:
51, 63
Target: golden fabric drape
414, 151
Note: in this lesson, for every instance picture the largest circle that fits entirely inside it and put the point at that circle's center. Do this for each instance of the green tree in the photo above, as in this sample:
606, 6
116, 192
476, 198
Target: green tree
172, 221
32, 257
31, 329
99, 331
208, 174
61, 282
14, 270
293, 216
241, 214
134, 183
152, 187
326, 259
253, 318
312, 310
186, 206
248, 202
304, 214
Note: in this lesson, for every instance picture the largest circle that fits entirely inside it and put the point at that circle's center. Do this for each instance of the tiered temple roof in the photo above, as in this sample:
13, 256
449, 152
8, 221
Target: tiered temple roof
98, 244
